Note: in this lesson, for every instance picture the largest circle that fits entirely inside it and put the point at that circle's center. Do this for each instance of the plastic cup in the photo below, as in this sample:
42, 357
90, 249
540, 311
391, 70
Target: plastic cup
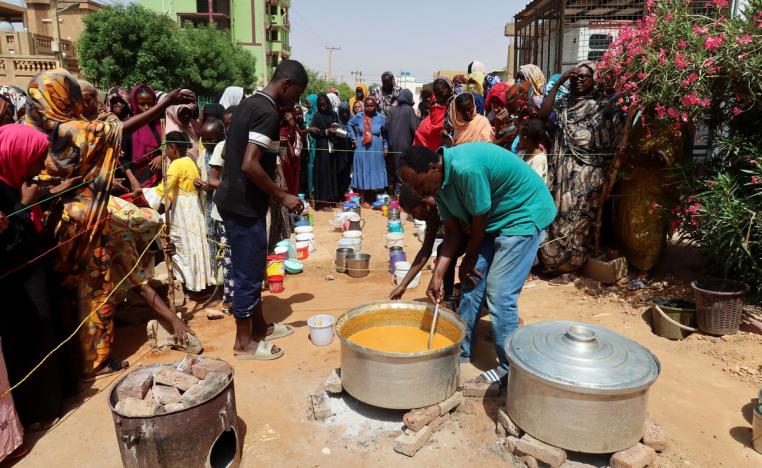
321, 329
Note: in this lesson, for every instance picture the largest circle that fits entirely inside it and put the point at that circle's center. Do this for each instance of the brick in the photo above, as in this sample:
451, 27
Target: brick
574, 464
449, 404
467, 407
321, 406
543, 452
478, 388
172, 407
530, 461
409, 443
511, 443
132, 407
416, 419
205, 389
636, 456
653, 436
165, 395
439, 422
206, 366
333, 382
174, 378
135, 385
508, 425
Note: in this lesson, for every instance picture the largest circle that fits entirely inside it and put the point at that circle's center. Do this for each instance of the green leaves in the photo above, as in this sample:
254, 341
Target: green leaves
126, 45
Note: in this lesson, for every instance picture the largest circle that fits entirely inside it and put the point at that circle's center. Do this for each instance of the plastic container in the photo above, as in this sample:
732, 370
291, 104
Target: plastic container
321, 329
283, 251
293, 267
395, 239
275, 284
288, 245
275, 266
345, 243
302, 250
394, 227
401, 270
396, 254
352, 235
304, 230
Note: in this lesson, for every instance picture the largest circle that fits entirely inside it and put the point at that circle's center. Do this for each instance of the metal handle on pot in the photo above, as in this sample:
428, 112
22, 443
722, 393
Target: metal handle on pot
580, 334
668, 319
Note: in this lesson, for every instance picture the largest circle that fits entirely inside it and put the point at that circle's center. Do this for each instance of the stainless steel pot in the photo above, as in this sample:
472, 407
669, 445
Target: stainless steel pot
357, 264
393, 380
341, 258
579, 387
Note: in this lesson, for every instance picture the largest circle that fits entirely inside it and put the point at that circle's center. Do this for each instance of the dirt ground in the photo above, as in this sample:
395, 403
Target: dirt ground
702, 399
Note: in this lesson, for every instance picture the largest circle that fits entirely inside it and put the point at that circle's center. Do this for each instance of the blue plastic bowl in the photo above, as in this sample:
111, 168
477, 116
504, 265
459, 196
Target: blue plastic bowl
293, 267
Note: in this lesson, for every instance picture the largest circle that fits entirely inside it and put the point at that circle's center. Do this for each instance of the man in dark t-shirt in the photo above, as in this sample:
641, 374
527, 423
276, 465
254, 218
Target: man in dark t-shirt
243, 197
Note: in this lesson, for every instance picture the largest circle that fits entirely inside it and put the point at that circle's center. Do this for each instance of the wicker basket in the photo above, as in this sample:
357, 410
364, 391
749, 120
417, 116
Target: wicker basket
719, 305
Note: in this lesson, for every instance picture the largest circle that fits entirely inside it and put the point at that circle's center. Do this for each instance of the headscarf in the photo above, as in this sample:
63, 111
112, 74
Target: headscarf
344, 106
367, 131
20, 146
312, 98
406, 97
518, 97
146, 141
232, 96
323, 119
562, 90
475, 66
335, 100
117, 92
365, 94
428, 133
478, 129
478, 81
535, 76
191, 130
497, 92
16, 98
491, 80
78, 148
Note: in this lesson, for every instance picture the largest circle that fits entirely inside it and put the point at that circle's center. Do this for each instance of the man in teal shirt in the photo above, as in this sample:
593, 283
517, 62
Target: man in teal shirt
506, 206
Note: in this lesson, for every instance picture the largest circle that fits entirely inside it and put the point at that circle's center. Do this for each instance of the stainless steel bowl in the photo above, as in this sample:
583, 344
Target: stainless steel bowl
358, 264
394, 380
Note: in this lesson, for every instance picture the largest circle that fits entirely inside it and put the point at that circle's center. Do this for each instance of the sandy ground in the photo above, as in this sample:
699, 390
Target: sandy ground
702, 398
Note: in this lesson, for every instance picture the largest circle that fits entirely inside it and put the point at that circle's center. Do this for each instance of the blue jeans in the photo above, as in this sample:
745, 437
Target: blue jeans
504, 262
247, 239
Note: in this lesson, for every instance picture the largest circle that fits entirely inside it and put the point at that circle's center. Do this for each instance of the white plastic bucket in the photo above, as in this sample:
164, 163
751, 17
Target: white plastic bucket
304, 230
352, 235
282, 250
395, 239
400, 271
321, 329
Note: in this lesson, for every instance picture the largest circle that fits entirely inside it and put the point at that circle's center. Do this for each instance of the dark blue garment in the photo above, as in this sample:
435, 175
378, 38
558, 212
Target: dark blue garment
247, 238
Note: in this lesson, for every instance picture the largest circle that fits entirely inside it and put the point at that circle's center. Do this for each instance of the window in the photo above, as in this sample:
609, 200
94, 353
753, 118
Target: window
595, 55
600, 41
274, 35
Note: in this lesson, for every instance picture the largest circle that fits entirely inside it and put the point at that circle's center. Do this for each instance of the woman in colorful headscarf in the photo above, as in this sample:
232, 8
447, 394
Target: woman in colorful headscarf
468, 125
536, 79
429, 133
12, 104
87, 149
118, 103
589, 128
361, 92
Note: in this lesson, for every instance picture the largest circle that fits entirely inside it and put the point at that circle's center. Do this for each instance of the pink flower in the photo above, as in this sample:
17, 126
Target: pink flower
700, 30
680, 61
737, 111
672, 112
747, 39
721, 3
662, 57
756, 180
682, 44
668, 17
684, 117
692, 78
660, 111
742, 57
712, 43
691, 100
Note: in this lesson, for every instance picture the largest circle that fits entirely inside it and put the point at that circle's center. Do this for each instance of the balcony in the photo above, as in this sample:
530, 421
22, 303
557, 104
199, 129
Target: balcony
278, 21
24, 54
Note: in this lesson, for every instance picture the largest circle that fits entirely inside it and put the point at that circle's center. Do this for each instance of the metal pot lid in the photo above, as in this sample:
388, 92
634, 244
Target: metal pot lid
581, 357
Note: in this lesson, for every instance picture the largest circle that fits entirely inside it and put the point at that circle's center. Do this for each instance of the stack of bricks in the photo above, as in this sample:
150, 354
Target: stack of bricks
533, 453
421, 423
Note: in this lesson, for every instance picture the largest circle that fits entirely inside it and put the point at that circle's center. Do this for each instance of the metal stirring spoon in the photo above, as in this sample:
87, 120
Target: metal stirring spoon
434, 323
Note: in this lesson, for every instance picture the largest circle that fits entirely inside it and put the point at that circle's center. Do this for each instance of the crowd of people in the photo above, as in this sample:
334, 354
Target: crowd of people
94, 191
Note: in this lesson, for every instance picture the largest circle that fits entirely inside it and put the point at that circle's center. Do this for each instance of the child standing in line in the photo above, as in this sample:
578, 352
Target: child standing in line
188, 225
531, 136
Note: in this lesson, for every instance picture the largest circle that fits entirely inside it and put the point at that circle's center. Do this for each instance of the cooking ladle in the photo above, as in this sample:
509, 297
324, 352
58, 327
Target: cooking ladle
434, 323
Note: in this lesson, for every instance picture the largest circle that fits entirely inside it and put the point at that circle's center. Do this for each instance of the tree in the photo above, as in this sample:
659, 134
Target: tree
130, 44
319, 84
126, 45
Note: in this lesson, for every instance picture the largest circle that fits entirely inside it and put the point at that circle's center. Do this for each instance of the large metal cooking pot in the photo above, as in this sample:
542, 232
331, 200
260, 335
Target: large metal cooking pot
579, 387
393, 380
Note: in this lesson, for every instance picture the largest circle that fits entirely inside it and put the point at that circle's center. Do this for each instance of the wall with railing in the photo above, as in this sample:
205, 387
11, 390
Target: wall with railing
24, 54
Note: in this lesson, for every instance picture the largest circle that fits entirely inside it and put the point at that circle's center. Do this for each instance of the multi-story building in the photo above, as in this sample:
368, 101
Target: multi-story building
260, 26
39, 35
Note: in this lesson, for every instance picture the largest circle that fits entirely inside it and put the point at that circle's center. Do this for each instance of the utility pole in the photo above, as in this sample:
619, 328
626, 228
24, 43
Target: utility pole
330, 50
57, 47
357, 74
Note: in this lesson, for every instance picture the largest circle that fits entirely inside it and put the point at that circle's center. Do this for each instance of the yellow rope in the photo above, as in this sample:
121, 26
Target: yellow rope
82, 323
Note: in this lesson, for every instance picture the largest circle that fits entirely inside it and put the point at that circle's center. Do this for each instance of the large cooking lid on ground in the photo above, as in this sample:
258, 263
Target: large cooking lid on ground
581, 357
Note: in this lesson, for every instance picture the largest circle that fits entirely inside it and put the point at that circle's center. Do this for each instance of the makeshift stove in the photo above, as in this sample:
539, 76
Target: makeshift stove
332, 405
177, 415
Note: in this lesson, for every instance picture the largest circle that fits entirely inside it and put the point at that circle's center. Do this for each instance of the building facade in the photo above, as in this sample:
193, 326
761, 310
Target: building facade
259, 26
